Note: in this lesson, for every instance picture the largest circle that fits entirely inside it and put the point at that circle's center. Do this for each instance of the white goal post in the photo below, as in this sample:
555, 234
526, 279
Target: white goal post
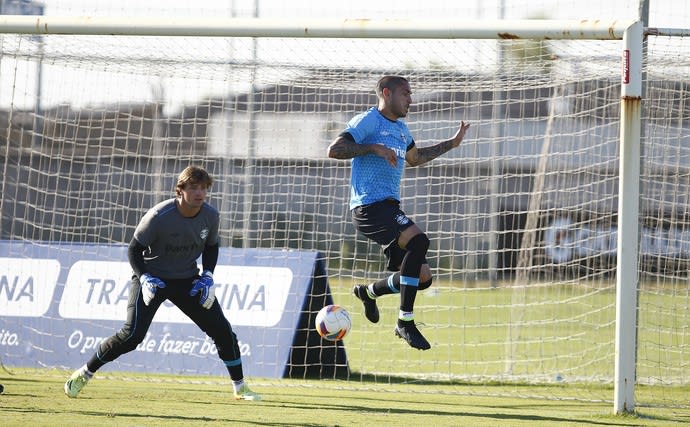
630, 33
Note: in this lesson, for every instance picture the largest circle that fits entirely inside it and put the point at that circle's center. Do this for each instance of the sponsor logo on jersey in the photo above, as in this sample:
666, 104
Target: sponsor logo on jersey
204, 234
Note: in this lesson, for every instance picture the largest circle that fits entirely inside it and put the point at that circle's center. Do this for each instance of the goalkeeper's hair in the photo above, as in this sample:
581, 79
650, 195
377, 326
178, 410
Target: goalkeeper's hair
193, 175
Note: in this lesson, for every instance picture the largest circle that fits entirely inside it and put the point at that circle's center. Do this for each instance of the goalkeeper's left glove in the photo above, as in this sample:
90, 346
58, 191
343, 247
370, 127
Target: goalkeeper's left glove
204, 287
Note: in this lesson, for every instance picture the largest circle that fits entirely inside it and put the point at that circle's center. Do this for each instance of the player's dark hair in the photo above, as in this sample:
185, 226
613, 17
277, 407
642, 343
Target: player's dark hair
193, 175
390, 83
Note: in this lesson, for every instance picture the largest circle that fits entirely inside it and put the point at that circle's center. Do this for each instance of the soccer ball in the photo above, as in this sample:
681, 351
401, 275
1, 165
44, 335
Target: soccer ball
333, 322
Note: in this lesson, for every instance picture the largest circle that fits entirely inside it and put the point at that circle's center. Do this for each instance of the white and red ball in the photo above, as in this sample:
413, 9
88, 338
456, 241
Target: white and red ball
333, 322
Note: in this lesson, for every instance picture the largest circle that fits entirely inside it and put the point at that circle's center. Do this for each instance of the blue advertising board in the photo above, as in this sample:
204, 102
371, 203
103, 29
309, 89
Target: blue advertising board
58, 301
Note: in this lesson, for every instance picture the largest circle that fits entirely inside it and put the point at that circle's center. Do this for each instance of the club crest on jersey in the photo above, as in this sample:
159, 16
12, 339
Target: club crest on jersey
402, 219
204, 234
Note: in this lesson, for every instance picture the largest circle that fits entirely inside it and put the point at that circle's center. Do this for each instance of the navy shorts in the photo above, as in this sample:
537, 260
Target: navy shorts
383, 222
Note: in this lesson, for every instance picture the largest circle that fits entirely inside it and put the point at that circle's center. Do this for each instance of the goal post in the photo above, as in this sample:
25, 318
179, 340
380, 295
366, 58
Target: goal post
627, 275
535, 221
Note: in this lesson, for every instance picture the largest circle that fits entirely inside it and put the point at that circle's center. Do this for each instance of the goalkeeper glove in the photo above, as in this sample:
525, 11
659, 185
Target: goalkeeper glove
149, 286
204, 287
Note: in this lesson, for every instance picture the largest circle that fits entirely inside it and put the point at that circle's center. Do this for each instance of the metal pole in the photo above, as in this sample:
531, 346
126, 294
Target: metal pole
497, 131
627, 276
248, 229
38, 122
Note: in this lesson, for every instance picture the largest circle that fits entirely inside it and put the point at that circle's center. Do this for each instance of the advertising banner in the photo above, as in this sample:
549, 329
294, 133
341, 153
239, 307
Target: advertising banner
58, 301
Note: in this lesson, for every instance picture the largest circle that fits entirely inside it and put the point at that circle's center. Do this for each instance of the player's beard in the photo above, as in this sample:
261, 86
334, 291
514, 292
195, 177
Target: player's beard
404, 109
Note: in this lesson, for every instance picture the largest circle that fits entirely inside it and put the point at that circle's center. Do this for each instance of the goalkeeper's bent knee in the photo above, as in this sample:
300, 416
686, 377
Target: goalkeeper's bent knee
425, 284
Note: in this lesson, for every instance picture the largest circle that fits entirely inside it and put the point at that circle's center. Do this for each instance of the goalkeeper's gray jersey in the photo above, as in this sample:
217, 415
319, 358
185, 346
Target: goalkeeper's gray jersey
174, 243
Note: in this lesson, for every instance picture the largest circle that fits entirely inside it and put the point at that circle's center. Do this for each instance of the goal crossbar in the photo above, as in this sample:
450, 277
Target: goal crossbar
347, 28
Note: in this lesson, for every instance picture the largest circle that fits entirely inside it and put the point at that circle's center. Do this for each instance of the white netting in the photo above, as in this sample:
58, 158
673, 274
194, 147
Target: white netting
114, 120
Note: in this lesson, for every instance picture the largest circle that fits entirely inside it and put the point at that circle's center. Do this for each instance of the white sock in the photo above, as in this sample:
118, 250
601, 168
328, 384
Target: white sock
237, 385
86, 372
406, 315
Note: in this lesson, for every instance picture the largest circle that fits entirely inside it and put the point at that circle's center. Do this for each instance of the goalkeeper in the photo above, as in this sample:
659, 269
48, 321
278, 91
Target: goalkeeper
379, 144
163, 254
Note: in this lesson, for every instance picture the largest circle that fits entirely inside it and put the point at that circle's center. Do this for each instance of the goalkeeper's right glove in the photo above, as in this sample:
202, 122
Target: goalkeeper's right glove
149, 286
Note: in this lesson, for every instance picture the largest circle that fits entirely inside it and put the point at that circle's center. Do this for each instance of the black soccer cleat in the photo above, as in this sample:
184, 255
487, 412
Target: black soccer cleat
409, 332
371, 311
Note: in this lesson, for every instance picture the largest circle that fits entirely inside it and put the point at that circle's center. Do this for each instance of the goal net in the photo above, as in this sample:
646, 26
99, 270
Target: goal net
522, 217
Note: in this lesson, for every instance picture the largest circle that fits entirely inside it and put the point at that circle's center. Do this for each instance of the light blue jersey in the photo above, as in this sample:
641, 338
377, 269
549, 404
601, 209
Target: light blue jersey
373, 178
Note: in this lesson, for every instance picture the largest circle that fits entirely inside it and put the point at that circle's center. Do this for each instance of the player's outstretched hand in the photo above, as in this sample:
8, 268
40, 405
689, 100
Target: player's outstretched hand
149, 286
204, 286
460, 134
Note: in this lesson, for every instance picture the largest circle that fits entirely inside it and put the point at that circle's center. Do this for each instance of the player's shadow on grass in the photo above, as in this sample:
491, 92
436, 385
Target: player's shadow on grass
412, 410
132, 416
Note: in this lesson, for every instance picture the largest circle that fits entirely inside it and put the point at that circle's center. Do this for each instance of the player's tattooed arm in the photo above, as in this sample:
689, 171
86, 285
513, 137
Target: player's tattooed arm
426, 154
418, 156
343, 148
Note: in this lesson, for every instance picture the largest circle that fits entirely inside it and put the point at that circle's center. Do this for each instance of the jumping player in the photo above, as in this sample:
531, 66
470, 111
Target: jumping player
379, 144
163, 252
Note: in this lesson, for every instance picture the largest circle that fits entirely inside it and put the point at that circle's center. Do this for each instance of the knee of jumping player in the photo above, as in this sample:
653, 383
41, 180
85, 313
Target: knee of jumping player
418, 245
415, 258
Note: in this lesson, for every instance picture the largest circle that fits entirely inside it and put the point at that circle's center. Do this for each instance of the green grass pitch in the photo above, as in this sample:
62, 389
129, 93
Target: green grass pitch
34, 397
